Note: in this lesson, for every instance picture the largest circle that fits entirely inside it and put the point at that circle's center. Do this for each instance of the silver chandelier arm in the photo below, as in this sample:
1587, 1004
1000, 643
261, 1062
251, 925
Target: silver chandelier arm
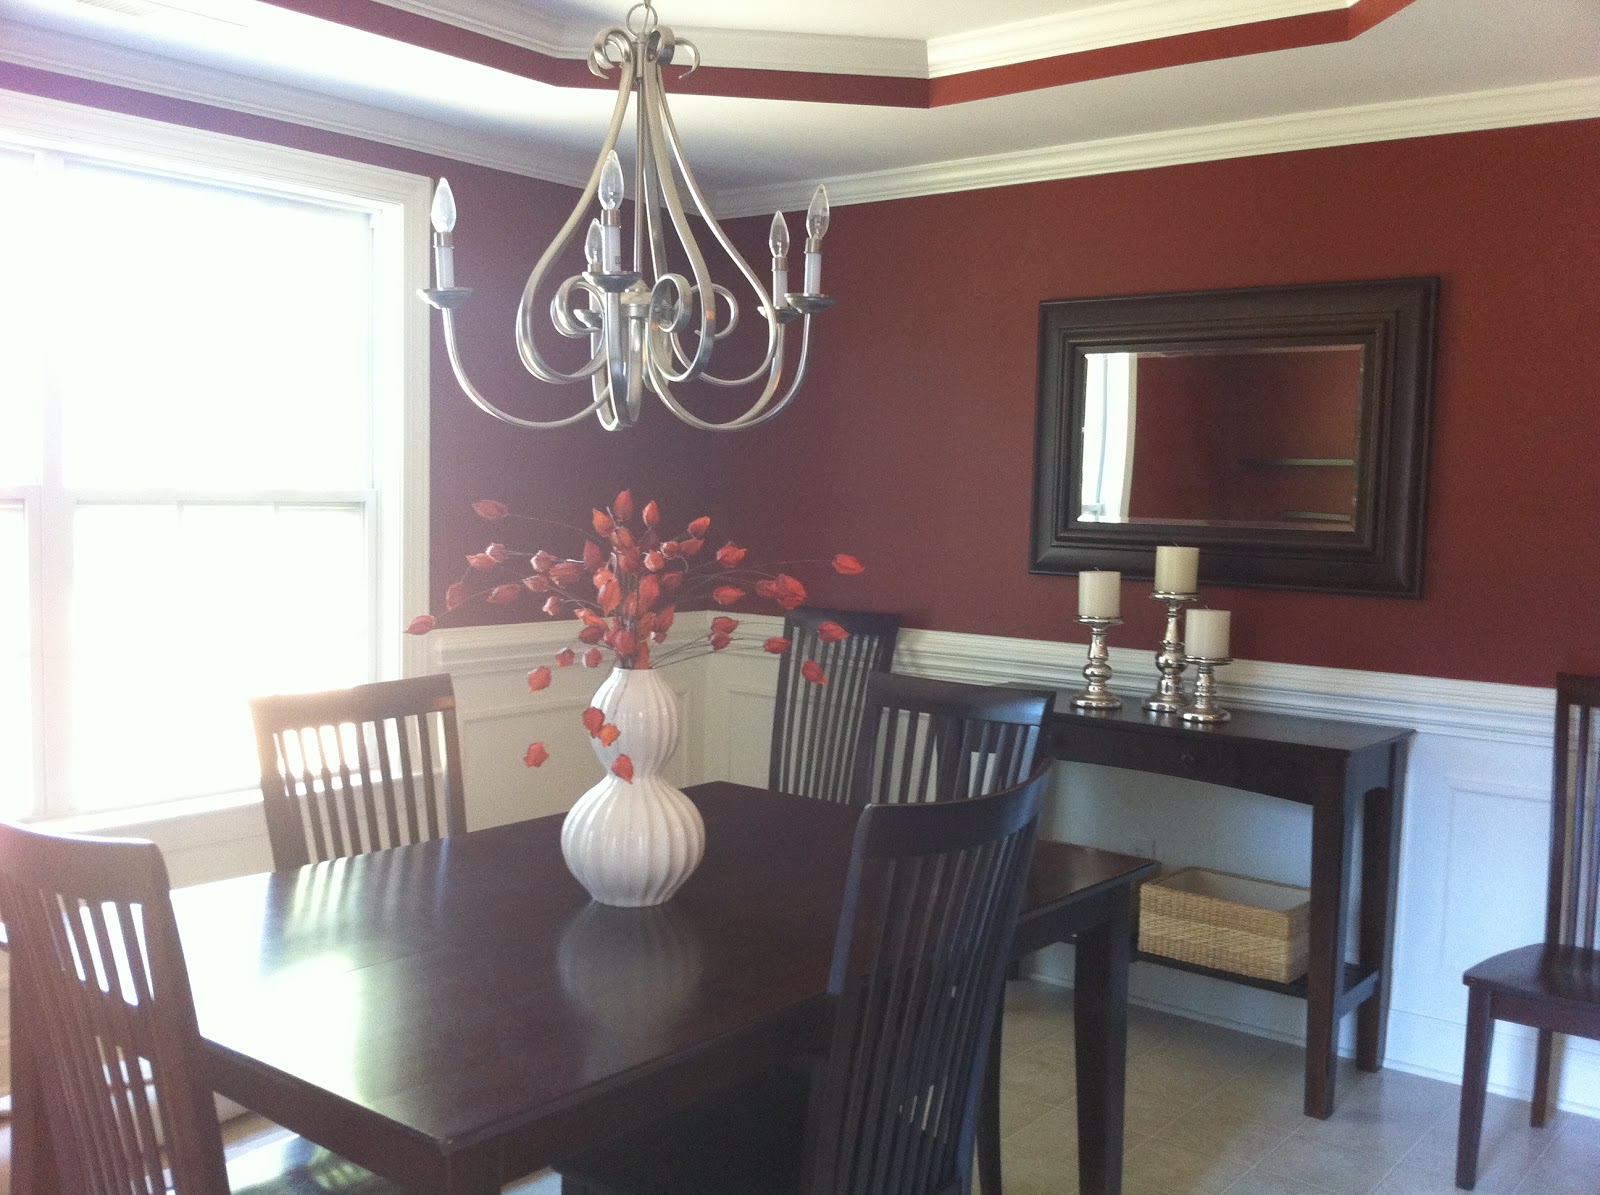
477, 396
759, 412
527, 350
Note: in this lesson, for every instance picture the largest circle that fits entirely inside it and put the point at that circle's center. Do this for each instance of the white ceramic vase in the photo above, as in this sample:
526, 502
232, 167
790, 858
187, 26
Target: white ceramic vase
634, 843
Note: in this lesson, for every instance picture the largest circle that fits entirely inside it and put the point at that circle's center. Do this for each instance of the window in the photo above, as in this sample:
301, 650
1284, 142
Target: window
213, 448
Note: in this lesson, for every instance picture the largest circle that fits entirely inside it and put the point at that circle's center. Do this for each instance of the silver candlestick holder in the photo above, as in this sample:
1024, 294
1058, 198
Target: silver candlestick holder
1169, 697
1095, 695
1204, 707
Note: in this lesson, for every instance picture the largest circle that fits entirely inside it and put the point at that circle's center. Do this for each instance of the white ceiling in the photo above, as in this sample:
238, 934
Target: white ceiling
1435, 66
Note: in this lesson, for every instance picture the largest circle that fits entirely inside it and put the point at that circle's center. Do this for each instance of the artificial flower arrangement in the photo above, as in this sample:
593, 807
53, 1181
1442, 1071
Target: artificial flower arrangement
626, 589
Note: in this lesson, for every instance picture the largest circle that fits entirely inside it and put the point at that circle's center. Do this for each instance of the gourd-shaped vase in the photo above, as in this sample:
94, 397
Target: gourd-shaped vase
634, 843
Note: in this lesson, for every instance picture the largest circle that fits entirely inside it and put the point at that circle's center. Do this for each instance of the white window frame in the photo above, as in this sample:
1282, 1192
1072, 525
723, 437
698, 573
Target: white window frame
398, 201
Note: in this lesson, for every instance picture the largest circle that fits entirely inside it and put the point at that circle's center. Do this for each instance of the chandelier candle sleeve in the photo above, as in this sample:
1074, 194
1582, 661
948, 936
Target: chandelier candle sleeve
1099, 595
1205, 634
816, 228
1177, 569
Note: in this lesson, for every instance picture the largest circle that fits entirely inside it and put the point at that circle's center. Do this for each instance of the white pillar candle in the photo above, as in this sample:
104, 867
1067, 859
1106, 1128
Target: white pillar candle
1177, 569
1205, 634
1099, 595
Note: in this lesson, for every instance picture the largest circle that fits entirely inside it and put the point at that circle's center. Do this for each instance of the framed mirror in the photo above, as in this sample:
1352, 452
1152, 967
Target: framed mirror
1281, 430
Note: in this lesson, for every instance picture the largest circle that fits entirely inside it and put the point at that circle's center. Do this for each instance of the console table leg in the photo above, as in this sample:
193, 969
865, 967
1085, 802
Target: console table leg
1380, 890
1331, 833
1100, 1028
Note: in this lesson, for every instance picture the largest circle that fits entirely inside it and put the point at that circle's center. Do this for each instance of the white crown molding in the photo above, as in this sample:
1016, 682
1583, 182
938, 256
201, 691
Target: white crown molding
521, 25
101, 62
1120, 23
1540, 103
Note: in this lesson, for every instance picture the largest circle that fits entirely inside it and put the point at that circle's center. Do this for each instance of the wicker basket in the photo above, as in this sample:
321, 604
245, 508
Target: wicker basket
1226, 922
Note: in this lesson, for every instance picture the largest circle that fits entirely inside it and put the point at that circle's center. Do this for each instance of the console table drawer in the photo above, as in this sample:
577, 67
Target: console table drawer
1193, 756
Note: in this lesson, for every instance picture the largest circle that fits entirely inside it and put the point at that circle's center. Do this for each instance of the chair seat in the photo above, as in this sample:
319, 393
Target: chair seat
295, 1166
748, 1140
1569, 974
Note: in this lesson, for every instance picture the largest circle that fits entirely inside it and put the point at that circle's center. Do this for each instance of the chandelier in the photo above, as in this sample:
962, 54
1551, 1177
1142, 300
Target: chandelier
647, 326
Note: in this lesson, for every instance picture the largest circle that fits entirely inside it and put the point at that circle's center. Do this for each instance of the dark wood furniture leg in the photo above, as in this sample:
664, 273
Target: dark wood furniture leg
1380, 886
988, 1144
1542, 1060
1100, 1028
1474, 1085
1331, 832
31, 1164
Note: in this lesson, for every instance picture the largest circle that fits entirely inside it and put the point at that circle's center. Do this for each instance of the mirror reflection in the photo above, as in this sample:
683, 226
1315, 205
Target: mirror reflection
1264, 436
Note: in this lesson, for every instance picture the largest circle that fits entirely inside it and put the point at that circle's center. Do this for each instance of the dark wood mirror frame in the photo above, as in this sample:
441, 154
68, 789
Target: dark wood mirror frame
1392, 320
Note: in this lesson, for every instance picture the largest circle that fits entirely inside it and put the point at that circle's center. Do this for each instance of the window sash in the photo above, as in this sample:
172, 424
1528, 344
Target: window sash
392, 511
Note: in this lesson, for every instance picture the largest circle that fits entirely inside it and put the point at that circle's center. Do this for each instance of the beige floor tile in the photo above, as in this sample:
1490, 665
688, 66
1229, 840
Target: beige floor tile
1204, 1131
1256, 1182
1330, 1166
1157, 1167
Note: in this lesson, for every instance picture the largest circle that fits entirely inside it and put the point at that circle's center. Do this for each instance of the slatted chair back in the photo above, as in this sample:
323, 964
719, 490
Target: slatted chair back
110, 1018
936, 740
918, 969
1573, 915
356, 770
815, 726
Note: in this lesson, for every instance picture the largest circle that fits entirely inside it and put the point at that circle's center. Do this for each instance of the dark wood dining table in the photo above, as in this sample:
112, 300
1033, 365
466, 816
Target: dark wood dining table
457, 1014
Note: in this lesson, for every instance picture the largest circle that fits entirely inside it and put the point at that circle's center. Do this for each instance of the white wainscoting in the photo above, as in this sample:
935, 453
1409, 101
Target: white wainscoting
1472, 869
1473, 846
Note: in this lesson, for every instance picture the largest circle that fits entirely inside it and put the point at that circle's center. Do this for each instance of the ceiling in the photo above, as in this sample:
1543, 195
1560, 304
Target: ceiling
942, 94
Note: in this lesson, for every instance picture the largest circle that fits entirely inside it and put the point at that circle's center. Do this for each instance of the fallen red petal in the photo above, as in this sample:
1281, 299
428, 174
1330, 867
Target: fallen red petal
536, 755
539, 678
566, 657
593, 658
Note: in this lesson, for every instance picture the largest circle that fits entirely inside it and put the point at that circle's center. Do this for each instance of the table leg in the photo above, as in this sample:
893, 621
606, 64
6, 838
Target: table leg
1380, 889
1331, 833
989, 1112
1100, 1022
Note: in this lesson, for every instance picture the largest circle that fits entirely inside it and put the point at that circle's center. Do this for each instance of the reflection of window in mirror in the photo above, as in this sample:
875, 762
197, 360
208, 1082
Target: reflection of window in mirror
1110, 386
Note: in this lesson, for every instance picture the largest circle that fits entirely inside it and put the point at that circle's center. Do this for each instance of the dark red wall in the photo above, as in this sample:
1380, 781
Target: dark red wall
914, 441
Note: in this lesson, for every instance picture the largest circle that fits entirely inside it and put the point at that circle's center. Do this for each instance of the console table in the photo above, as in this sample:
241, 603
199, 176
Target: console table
1351, 775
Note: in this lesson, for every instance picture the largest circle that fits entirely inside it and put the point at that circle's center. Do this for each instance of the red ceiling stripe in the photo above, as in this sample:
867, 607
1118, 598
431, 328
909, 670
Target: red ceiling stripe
1211, 45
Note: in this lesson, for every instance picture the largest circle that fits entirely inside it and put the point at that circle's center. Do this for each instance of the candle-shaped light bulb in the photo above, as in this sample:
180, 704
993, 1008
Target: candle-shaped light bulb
817, 214
816, 225
611, 183
778, 238
594, 247
443, 212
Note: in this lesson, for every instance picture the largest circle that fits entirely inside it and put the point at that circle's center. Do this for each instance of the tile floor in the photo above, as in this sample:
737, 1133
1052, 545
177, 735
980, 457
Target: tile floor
1214, 1112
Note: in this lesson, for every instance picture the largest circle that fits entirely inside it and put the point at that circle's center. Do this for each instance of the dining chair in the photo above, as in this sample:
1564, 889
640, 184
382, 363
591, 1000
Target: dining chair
356, 770
814, 726
1553, 987
113, 1051
935, 740
930, 904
